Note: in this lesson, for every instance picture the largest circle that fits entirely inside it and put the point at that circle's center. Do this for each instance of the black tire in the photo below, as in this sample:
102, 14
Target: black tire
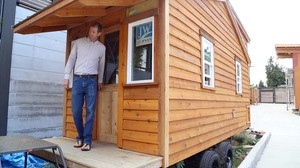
226, 154
210, 159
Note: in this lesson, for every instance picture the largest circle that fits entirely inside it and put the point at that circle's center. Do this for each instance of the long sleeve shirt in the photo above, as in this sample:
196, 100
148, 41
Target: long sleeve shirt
87, 58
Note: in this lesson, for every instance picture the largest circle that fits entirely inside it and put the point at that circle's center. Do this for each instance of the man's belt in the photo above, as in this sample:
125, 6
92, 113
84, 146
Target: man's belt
86, 76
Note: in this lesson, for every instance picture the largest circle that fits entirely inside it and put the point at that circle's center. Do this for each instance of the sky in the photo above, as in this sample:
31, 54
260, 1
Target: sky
268, 22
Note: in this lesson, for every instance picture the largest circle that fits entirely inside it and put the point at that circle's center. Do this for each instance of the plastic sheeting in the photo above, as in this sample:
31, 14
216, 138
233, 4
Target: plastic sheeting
16, 160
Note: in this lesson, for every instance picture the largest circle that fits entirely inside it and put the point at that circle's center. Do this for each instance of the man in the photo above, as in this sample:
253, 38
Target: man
87, 58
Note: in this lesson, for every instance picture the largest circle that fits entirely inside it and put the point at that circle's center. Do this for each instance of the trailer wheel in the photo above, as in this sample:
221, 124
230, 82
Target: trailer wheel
226, 154
210, 159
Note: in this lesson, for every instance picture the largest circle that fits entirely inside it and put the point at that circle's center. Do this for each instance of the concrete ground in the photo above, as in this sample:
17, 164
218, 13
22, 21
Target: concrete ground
283, 148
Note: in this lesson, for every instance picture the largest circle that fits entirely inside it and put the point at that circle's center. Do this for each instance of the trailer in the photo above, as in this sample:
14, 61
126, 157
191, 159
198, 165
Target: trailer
176, 79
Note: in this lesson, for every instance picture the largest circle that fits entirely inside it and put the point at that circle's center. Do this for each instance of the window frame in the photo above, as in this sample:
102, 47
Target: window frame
204, 43
238, 77
130, 50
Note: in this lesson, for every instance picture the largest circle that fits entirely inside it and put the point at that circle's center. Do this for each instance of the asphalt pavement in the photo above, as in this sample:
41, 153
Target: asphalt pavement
283, 148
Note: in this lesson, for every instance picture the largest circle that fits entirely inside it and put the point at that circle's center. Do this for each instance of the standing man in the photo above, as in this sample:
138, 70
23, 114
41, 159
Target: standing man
87, 59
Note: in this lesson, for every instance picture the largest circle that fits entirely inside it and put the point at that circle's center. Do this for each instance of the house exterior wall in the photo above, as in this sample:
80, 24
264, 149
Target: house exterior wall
201, 117
296, 68
36, 83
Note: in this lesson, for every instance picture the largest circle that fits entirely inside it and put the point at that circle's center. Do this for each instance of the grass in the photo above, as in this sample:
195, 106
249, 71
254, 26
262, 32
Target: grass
240, 145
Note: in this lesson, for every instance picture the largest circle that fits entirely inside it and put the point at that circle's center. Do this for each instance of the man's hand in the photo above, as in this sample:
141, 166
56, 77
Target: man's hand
100, 85
66, 83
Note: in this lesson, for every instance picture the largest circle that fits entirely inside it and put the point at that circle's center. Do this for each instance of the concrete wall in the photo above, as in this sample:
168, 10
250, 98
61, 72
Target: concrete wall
36, 84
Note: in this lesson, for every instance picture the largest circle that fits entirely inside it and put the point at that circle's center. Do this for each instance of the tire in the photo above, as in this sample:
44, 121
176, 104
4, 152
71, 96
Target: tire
226, 154
210, 159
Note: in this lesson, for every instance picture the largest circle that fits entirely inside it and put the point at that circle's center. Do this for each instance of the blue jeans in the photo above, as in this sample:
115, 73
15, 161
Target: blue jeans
84, 89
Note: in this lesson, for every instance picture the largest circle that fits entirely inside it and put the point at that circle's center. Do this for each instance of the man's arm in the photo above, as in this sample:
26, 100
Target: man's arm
101, 70
70, 65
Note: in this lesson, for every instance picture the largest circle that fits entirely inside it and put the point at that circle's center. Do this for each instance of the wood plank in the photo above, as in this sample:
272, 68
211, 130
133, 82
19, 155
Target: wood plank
141, 147
197, 140
184, 84
104, 155
81, 12
197, 122
141, 92
195, 104
182, 64
71, 134
183, 74
196, 131
205, 112
71, 126
122, 75
183, 94
174, 158
144, 126
141, 104
140, 115
145, 137
109, 2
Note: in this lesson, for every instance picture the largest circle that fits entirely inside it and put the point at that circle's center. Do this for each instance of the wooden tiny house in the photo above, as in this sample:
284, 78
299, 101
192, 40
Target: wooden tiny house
292, 51
176, 76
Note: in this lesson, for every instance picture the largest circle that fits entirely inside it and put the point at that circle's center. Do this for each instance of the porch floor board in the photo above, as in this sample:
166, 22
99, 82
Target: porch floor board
103, 155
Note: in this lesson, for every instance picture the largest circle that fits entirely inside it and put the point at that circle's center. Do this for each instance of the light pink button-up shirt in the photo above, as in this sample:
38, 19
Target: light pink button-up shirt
87, 57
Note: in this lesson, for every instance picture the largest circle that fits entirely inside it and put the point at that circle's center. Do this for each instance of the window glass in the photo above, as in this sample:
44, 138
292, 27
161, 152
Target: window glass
140, 51
207, 63
238, 77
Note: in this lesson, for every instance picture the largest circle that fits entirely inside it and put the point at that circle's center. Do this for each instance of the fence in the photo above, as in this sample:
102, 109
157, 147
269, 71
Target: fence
276, 95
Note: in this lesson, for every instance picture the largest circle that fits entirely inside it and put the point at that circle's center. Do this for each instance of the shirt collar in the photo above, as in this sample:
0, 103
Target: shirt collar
89, 41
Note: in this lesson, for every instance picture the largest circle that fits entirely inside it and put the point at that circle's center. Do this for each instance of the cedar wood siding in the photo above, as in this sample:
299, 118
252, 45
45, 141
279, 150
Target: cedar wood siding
200, 118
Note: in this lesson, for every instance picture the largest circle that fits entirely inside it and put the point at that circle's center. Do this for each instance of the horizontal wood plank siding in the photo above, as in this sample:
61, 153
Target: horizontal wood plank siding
199, 117
140, 119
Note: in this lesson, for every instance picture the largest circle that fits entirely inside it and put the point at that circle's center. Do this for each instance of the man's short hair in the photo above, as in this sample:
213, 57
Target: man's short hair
98, 26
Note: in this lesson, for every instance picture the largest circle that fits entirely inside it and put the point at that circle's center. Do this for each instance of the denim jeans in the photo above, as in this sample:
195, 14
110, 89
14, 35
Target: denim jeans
84, 89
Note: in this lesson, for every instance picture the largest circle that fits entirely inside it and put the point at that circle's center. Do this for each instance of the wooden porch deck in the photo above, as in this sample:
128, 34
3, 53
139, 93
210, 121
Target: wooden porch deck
102, 155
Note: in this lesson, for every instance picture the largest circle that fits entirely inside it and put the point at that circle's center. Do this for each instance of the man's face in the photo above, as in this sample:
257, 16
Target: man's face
94, 34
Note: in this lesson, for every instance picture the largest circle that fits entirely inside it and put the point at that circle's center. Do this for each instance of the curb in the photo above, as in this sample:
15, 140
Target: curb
253, 157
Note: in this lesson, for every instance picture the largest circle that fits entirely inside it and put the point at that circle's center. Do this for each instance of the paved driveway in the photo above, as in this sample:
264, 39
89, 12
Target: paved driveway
283, 149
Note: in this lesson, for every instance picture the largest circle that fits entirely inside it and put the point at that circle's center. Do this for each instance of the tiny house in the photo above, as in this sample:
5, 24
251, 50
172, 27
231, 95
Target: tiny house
291, 51
176, 75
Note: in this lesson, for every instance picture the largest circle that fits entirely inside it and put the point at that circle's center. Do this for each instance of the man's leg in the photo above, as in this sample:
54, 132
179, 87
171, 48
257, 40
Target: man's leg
90, 100
77, 103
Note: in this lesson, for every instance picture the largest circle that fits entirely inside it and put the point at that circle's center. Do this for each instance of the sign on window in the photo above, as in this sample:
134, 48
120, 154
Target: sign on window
144, 34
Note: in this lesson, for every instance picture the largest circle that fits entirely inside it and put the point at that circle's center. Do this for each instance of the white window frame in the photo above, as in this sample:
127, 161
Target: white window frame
129, 50
206, 43
239, 83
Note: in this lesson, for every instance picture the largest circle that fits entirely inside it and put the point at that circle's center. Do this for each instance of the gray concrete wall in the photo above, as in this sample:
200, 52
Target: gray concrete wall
36, 84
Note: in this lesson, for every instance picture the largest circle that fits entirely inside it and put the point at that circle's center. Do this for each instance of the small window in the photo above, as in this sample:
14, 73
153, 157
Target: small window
238, 77
208, 79
140, 61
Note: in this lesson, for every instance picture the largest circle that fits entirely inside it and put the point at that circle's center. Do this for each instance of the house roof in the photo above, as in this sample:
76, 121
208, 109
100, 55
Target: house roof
287, 50
65, 14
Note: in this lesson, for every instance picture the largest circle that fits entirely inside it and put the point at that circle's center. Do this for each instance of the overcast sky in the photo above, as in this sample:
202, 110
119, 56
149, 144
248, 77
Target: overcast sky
268, 22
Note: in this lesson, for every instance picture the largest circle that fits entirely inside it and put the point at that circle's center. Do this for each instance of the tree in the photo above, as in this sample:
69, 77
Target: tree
275, 74
261, 84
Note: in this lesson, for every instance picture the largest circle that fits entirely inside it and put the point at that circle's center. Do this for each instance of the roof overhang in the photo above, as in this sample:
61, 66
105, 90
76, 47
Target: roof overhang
65, 14
287, 50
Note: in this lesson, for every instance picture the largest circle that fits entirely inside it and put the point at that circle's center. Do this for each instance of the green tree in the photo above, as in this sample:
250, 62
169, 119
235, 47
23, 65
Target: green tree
261, 84
275, 74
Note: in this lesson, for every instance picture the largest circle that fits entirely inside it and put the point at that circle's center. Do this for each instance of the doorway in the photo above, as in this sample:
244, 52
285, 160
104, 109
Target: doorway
108, 96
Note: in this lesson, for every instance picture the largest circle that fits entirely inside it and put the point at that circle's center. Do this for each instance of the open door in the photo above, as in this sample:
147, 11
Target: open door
108, 96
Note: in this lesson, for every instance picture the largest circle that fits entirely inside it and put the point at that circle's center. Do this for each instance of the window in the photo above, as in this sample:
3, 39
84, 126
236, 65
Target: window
140, 60
207, 63
238, 77
111, 58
